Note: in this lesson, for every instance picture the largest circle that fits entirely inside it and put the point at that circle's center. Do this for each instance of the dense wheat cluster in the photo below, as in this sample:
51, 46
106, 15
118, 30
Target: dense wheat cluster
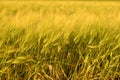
50, 40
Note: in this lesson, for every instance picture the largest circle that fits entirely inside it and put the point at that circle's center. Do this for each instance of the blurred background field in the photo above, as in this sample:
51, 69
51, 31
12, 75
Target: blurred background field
59, 40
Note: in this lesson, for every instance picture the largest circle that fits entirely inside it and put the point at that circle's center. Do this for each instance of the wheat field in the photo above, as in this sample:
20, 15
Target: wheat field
59, 40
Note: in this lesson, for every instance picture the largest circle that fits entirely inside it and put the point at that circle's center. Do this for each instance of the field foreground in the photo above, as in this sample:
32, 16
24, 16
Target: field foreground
59, 40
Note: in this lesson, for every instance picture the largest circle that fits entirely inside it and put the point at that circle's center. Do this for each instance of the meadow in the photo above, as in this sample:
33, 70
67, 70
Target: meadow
59, 40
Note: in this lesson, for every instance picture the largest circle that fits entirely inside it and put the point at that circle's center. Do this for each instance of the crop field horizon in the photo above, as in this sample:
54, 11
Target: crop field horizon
59, 40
